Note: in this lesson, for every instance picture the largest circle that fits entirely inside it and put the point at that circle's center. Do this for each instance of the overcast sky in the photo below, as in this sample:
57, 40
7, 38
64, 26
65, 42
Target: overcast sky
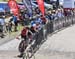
56, 0
60, 0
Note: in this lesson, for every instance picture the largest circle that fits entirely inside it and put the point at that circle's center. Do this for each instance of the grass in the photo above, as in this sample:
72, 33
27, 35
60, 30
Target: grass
16, 33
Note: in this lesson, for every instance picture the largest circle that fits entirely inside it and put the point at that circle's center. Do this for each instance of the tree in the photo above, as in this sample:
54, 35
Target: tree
48, 1
5, 0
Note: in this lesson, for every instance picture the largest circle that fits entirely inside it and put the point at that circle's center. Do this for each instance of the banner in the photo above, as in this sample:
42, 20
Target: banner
41, 6
28, 5
14, 7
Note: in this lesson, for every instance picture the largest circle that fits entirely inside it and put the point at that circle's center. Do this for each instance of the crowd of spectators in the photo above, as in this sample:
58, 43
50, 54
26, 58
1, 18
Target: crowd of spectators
34, 19
35, 23
32, 23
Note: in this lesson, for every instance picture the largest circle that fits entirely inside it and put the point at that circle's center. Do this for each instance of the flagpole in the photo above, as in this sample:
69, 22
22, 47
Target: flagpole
24, 4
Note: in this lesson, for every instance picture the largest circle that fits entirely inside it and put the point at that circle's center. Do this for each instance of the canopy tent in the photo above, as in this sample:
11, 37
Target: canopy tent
2, 10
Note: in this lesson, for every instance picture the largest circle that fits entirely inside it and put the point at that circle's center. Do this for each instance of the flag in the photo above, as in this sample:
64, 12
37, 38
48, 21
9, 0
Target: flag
41, 6
28, 5
14, 7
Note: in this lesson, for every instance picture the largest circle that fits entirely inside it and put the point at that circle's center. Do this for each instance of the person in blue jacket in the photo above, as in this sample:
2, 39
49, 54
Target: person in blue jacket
15, 23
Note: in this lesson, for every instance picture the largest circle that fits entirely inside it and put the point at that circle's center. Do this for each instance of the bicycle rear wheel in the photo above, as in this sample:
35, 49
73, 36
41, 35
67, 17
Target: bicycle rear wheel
26, 56
31, 53
22, 46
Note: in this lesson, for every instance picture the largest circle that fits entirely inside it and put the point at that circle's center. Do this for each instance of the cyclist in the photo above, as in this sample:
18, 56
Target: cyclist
25, 34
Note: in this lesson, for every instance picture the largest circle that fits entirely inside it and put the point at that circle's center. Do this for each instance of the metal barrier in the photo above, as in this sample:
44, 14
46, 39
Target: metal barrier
50, 27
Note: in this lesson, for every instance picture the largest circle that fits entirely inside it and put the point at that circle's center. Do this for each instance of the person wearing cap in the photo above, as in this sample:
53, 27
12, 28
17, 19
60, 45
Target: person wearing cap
15, 22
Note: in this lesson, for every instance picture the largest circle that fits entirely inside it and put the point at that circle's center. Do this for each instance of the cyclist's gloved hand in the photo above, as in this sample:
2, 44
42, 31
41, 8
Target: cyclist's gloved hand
17, 38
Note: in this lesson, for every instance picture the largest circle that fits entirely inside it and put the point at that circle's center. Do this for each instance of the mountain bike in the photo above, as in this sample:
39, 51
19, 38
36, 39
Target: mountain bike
29, 52
26, 49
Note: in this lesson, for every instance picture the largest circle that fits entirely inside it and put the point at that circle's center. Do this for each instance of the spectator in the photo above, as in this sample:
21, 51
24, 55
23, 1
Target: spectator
49, 16
2, 24
26, 19
25, 34
37, 10
59, 14
44, 20
38, 20
9, 26
15, 23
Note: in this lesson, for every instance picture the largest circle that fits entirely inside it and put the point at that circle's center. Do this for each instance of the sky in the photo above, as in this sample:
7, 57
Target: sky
60, 0
56, 0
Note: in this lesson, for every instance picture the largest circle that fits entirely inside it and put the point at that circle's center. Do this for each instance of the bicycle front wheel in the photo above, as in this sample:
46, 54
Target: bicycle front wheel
26, 56
22, 46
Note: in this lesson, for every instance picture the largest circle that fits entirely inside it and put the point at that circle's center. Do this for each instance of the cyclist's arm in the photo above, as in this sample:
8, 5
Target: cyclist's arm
31, 32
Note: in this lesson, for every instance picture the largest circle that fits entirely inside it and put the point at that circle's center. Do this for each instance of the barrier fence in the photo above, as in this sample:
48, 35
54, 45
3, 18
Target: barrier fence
53, 26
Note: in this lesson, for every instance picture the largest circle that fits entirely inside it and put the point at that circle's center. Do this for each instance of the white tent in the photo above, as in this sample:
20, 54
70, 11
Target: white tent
2, 10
